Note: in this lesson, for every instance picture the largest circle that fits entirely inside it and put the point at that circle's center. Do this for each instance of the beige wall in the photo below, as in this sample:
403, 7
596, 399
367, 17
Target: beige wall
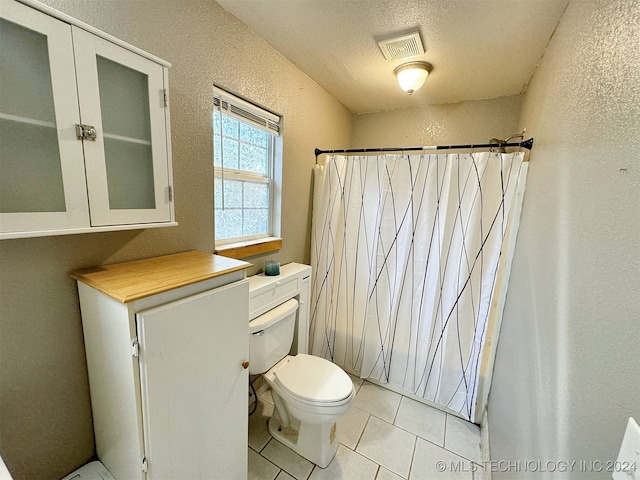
456, 123
45, 417
568, 360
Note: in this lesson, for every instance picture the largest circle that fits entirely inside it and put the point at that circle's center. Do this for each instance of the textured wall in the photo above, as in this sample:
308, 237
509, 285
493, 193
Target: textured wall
456, 123
45, 417
566, 373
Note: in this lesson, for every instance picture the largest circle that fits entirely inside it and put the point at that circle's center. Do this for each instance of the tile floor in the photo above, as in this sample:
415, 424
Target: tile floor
385, 436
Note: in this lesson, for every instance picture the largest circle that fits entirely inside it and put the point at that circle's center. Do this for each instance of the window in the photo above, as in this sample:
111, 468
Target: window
246, 159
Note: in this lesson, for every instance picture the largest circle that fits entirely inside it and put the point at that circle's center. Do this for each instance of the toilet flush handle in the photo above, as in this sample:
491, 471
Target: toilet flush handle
245, 365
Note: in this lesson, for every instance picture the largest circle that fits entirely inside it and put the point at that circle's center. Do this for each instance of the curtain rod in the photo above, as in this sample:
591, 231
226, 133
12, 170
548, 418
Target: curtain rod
528, 144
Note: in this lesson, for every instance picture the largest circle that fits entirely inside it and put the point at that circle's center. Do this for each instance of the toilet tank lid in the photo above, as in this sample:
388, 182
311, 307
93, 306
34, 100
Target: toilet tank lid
272, 316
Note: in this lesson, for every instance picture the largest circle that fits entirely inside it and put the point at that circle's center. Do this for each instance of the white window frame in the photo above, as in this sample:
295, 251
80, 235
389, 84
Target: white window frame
256, 116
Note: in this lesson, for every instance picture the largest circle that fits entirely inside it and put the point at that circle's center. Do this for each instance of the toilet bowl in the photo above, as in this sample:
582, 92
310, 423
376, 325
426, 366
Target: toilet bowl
309, 392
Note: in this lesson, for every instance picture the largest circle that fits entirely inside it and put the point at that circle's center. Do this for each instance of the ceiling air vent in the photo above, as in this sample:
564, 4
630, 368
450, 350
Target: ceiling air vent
402, 47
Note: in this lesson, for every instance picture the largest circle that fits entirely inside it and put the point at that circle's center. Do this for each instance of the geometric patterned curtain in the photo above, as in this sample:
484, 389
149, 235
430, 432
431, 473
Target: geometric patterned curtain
405, 251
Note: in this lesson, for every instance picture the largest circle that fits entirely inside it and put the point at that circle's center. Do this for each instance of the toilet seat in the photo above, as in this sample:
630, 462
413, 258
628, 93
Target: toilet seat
314, 380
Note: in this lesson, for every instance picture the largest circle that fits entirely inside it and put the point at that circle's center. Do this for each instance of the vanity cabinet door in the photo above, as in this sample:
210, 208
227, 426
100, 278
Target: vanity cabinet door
42, 176
194, 386
122, 95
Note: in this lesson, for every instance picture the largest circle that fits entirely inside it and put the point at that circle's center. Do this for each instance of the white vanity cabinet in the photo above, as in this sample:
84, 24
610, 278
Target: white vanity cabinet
166, 341
84, 128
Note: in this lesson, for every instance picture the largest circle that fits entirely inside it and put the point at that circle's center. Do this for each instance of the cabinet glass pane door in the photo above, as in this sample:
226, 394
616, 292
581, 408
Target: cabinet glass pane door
41, 165
127, 164
126, 128
31, 179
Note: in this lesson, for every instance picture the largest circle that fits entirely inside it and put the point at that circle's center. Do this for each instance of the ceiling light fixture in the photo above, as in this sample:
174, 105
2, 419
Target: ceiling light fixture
411, 76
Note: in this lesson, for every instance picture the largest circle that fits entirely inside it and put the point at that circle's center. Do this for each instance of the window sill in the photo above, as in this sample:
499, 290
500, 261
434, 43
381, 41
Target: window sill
249, 248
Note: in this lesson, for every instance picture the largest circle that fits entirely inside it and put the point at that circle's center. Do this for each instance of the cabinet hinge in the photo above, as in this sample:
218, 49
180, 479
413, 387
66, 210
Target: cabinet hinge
145, 465
166, 98
170, 193
135, 347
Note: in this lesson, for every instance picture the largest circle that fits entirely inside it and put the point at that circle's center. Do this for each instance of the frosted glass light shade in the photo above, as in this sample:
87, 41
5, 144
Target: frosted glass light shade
411, 76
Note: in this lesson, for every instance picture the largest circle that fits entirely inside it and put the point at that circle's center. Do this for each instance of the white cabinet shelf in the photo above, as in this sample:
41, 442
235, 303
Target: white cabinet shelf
58, 73
127, 139
30, 121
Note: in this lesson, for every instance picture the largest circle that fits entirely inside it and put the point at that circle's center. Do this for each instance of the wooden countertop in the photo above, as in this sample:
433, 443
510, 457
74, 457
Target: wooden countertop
131, 281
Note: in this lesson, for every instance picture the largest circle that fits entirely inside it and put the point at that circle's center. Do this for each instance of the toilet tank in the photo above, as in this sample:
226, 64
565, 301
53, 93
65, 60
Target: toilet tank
271, 336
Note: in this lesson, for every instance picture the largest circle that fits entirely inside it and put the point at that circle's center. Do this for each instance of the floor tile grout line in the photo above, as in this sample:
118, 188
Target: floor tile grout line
365, 457
277, 466
377, 472
400, 428
415, 444
265, 446
410, 433
374, 461
312, 470
285, 470
445, 441
397, 409
413, 456
431, 404
444, 437
363, 429
405, 430
416, 436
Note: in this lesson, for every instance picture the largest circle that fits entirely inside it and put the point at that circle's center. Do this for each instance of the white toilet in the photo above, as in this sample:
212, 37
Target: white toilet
310, 393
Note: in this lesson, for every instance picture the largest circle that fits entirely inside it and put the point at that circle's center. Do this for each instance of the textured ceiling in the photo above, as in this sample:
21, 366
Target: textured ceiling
478, 48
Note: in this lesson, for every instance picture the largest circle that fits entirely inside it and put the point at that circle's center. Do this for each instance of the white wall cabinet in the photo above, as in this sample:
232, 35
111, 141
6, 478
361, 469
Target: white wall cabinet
84, 128
167, 370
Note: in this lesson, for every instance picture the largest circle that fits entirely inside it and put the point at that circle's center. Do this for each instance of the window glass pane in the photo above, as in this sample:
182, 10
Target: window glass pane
256, 221
231, 142
254, 159
217, 192
232, 194
216, 138
256, 195
230, 127
231, 153
244, 209
253, 135
217, 158
228, 223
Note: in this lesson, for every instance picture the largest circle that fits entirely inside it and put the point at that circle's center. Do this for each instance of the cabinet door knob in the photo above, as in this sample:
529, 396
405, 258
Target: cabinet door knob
245, 365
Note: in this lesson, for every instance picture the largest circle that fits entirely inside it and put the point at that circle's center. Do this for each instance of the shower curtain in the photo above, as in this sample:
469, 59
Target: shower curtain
405, 252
